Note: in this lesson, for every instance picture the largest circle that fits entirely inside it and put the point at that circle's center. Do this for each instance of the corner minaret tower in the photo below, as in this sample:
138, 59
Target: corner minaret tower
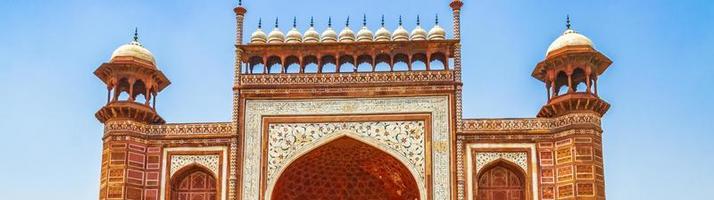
133, 82
570, 72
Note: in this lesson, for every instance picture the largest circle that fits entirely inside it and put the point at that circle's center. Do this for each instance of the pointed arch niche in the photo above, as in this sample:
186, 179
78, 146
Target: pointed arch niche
194, 173
346, 168
501, 171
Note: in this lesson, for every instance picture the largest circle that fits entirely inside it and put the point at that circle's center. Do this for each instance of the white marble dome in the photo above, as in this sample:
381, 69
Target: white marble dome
382, 34
258, 36
276, 36
400, 34
311, 35
293, 36
134, 49
418, 33
437, 33
346, 35
329, 35
364, 34
569, 38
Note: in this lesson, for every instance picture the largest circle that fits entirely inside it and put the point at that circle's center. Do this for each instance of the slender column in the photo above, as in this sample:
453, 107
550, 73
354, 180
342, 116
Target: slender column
547, 90
232, 177
570, 83
131, 89
109, 94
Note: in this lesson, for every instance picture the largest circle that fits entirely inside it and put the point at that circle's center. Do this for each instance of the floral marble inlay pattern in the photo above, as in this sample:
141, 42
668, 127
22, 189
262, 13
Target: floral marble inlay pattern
405, 138
437, 106
210, 162
519, 158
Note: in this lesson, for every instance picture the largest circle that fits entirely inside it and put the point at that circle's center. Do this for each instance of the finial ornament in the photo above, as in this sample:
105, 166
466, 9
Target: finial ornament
567, 21
329, 21
294, 22
418, 21
312, 21
348, 21
136, 34
260, 23
276, 22
437, 19
364, 20
400, 20
240, 2
382, 20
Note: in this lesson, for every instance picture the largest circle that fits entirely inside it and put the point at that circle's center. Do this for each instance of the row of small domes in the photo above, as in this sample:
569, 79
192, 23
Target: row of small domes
347, 35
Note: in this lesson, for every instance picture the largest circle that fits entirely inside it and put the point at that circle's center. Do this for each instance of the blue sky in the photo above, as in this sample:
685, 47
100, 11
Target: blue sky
658, 133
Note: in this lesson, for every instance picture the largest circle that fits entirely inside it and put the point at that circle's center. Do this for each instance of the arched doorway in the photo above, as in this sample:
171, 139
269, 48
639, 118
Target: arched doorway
194, 183
346, 169
501, 181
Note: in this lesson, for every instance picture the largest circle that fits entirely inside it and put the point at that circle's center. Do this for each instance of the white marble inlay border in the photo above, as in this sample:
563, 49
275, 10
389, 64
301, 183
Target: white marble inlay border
210, 162
484, 158
471, 169
437, 106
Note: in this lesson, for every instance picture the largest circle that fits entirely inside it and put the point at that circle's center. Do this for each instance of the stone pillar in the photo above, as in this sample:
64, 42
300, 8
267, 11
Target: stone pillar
456, 8
232, 177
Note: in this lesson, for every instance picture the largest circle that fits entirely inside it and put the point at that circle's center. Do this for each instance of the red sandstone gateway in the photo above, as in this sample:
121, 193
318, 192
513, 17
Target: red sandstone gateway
354, 115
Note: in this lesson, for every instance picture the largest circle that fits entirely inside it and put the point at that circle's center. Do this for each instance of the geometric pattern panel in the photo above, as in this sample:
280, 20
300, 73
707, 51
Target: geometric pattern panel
437, 106
484, 158
346, 168
402, 137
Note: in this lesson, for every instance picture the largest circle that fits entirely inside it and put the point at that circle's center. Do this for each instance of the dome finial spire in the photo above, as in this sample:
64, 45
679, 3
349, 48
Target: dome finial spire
567, 21
329, 21
294, 21
347, 23
240, 2
136, 34
364, 20
436, 20
382, 20
418, 21
276, 22
400, 20
260, 23
312, 21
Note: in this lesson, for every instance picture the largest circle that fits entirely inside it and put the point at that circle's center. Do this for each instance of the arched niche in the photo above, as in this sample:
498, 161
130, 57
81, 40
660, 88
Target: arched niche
193, 182
346, 168
501, 180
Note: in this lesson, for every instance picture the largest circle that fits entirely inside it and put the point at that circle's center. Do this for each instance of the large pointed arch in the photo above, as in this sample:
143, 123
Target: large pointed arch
408, 186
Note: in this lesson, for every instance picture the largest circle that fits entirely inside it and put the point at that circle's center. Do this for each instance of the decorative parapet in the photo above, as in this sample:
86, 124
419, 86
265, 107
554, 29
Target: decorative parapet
347, 78
531, 125
177, 129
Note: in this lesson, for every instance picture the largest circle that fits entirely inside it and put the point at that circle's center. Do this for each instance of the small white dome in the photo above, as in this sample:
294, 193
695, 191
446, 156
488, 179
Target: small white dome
134, 49
347, 35
437, 33
329, 35
418, 33
364, 34
382, 34
276, 36
400, 34
569, 38
293, 36
311, 35
258, 36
